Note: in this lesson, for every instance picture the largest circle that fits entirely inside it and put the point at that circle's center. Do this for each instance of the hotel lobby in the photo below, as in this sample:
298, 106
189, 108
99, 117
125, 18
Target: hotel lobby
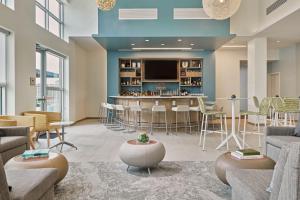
149, 99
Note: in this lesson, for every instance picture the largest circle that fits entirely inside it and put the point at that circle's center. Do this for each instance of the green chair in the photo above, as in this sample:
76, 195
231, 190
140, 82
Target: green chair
204, 123
263, 111
291, 107
256, 102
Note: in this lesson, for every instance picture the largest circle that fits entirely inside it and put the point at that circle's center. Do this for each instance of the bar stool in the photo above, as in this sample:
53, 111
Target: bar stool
262, 112
136, 112
109, 114
156, 109
204, 123
185, 109
119, 117
101, 112
198, 112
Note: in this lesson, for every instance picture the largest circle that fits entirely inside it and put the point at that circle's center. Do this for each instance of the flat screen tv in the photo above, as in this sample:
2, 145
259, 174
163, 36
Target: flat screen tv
160, 69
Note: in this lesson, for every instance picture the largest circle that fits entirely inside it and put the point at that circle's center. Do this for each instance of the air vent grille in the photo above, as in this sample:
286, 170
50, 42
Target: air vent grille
274, 6
138, 14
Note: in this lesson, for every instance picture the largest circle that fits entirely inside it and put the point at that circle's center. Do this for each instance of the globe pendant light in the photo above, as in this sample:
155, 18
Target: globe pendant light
221, 9
105, 5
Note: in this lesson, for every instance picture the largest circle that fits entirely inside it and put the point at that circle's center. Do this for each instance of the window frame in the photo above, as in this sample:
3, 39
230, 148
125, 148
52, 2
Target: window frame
43, 76
48, 14
3, 85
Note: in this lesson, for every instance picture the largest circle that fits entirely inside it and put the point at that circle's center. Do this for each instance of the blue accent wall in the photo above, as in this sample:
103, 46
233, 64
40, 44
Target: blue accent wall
164, 26
208, 67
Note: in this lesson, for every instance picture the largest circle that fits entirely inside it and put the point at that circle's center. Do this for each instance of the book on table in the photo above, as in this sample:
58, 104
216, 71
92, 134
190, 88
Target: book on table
37, 153
247, 154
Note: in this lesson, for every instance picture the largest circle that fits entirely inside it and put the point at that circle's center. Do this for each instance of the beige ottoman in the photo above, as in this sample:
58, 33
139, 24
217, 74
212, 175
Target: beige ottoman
55, 160
226, 161
142, 155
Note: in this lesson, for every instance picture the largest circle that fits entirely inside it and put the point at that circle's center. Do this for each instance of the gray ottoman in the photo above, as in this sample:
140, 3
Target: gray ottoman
142, 155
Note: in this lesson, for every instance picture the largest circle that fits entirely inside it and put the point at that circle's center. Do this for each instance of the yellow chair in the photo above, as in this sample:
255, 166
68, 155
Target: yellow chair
25, 121
43, 122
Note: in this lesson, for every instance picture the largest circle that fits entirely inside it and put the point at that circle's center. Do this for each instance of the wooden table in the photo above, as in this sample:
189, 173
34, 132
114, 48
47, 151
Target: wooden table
55, 160
226, 161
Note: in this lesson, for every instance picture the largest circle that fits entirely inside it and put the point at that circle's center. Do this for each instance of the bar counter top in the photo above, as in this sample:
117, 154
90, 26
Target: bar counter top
156, 97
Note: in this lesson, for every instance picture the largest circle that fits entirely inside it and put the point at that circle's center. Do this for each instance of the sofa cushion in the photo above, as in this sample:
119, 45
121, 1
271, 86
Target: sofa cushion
278, 173
4, 195
7, 143
297, 130
290, 186
250, 182
30, 184
279, 141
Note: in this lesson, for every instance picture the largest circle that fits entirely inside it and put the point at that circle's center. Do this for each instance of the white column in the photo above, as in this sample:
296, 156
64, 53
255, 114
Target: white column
257, 71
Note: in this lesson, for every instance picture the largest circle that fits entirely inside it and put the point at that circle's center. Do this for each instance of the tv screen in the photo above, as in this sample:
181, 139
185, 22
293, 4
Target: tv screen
160, 69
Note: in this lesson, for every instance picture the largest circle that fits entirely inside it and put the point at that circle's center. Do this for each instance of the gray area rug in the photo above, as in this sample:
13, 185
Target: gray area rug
172, 180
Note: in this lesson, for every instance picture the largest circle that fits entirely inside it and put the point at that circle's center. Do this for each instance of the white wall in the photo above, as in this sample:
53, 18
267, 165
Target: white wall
287, 66
81, 18
21, 61
227, 75
97, 81
251, 18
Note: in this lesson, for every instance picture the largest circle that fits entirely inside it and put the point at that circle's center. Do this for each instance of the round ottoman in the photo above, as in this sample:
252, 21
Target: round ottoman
226, 161
55, 160
142, 155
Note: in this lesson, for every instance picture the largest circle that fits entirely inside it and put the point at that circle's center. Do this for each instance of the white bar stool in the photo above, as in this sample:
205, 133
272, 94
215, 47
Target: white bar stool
136, 111
102, 113
185, 109
157, 109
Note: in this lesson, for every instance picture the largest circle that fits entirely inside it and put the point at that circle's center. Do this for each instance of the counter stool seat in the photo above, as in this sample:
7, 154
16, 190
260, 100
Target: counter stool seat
156, 109
185, 109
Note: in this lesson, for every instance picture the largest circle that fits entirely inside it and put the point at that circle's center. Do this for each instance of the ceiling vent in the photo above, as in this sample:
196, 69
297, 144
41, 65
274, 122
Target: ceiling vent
138, 14
190, 13
274, 6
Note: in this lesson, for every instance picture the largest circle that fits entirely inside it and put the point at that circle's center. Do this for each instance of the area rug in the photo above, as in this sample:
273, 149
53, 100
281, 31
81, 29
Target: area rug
171, 180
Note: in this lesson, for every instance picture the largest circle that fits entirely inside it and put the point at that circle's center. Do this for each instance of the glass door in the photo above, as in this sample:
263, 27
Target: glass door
49, 81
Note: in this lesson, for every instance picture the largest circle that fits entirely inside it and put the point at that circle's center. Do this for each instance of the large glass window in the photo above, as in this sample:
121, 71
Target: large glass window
8, 3
49, 81
49, 15
2, 72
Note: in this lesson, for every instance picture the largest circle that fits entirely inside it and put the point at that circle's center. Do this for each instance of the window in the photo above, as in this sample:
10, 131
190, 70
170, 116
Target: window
8, 3
49, 80
2, 71
49, 15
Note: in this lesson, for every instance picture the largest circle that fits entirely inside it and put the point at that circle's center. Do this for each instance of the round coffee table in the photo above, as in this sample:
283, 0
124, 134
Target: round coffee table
226, 161
137, 154
55, 160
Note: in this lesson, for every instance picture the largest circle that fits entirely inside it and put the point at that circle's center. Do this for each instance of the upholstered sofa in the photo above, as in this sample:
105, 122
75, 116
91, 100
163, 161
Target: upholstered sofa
276, 137
27, 184
249, 184
13, 141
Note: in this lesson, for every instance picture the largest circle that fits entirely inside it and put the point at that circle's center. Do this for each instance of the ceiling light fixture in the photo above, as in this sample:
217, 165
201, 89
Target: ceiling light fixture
160, 48
179, 40
147, 40
106, 5
221, 9
234, 46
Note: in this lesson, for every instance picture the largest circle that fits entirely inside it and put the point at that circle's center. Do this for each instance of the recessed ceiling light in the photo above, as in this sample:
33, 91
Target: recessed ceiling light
179, 40
192, 44
162, 44
132, 44
147, 40
161, 48
278, 41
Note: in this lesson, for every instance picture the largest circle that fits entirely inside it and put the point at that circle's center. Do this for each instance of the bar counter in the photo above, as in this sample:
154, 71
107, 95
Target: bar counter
169, 101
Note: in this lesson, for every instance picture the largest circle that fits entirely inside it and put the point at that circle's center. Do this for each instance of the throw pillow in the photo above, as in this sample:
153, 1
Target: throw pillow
275, 184
297, 129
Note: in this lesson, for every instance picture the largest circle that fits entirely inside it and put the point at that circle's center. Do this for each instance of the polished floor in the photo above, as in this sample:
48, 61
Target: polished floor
97, 143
